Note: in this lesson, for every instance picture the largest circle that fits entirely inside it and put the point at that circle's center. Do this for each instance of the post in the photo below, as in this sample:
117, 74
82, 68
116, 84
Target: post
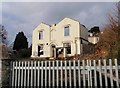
74, 72
64, 52
70, 73
54, 52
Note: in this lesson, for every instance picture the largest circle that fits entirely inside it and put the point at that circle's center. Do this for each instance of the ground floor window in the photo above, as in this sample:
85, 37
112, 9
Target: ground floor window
40, 50
68, 47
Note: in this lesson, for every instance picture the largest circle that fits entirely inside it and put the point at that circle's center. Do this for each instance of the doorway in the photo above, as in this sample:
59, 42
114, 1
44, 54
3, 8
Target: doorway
40, 49
53, 51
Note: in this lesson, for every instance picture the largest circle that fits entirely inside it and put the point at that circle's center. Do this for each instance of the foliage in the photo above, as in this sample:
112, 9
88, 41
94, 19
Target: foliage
20, 42
6, 73
3, 35
21, 46
110, 39
23, 53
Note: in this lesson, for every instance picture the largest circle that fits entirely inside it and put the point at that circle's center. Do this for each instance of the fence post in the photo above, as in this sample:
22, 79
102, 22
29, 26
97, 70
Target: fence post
74, 73
16, 74
31, 73
100, 73
84, 82
57, 75
66, 73
79, 73
49, 73
53, 73
28, 73
25, 75
95, 74
45, 73
105, 69
19, 74
88, 72
111, 75
22, 75
61, 74
70, 73
38, 73
34, 73
41, 73
116, 71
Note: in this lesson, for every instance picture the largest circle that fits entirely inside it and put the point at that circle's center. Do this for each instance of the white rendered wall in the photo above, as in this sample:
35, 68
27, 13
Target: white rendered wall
55, 35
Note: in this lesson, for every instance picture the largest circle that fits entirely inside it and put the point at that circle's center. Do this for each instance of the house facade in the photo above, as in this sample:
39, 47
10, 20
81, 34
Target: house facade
59, 40
93, 39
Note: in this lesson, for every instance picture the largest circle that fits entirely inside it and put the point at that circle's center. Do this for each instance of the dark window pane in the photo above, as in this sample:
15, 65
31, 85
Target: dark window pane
41, 35
66, 31
68, 47
40, 50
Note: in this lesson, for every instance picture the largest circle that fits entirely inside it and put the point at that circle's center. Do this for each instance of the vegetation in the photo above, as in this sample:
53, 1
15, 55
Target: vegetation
109, 42
3, 35
21, 46
20, 42
23, 53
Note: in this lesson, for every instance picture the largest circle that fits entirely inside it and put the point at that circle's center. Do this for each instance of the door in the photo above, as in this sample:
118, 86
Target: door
53, 51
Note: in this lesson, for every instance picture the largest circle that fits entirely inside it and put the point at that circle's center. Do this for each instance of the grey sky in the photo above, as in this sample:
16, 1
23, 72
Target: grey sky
25, 16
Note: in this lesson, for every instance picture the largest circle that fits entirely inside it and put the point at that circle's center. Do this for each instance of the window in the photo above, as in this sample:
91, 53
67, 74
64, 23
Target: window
40, 50
66, 31
68, 47
41, 35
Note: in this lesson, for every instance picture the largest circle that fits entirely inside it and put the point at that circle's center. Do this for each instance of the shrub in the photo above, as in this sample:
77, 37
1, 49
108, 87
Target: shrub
23, 53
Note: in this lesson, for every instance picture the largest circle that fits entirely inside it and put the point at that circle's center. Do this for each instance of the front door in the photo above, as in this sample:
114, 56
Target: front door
53, 51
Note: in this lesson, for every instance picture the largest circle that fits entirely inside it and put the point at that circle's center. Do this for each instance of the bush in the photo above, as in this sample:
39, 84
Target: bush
23, 53
6, 73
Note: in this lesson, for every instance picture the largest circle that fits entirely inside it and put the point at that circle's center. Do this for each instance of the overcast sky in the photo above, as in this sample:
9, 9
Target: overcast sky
25, 16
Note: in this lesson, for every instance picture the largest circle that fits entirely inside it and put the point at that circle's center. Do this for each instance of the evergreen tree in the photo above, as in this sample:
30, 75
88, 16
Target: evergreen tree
20, 42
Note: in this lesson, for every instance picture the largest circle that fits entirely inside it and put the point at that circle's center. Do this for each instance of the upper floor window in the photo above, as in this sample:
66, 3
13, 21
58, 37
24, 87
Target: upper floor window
41, 35
66, 31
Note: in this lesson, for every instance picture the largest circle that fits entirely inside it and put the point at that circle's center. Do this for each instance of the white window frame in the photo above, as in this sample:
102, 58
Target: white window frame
41, 49
40, 36
67, 30
66, 46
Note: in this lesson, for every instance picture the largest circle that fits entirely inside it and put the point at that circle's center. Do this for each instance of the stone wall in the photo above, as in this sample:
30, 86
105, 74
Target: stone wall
3, 52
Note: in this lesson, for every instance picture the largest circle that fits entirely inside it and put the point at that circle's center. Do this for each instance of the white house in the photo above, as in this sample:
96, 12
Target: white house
93, 39
65, 38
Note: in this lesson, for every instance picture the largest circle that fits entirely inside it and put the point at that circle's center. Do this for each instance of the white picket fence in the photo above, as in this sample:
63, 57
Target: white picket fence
65, 73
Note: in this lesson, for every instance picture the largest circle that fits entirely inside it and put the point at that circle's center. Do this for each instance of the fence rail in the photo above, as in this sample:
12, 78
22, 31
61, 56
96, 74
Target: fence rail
65, 73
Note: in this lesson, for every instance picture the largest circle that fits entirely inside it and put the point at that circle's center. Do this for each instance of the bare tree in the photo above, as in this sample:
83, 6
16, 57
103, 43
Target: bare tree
3, 35
110, 38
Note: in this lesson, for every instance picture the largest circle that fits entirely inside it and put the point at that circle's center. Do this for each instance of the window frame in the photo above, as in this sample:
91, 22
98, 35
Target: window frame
41, 49
67, 30
41, 35
68, 46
